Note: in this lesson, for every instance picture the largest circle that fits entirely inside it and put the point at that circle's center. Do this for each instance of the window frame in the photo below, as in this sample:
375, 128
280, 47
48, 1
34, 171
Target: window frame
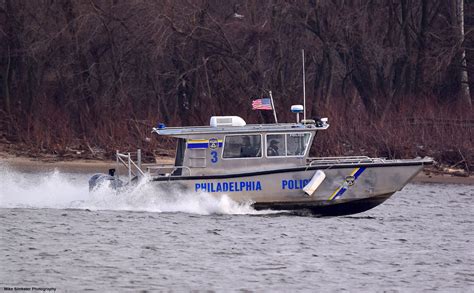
240, 158
266, 146
286, 145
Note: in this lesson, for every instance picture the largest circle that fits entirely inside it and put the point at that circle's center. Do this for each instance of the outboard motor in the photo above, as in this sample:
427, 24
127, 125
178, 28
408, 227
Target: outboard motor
99, 179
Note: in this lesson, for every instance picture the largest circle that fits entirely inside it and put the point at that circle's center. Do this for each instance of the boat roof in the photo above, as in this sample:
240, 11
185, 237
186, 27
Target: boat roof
249, 128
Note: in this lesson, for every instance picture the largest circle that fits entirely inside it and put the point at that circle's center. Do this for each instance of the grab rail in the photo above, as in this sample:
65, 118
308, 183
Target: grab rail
126, 160
345, 160
134, 169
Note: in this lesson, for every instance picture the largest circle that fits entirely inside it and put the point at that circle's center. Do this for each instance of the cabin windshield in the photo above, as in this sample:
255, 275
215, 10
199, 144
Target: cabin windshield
287, 145
242, 146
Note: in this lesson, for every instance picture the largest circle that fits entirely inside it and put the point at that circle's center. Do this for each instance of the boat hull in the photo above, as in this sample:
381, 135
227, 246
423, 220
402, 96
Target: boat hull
347, 189
323, 209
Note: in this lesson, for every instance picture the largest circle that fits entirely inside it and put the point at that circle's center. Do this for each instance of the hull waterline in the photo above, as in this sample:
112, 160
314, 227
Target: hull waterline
326, 210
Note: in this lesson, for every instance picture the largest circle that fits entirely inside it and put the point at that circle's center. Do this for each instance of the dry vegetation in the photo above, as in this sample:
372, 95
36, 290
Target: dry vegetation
83, 78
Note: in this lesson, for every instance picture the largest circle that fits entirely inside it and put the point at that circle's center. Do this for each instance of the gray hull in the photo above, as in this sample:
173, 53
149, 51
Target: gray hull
347, 189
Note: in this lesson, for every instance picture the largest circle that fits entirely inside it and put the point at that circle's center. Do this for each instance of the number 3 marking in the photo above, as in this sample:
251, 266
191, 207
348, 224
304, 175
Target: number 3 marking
214, 157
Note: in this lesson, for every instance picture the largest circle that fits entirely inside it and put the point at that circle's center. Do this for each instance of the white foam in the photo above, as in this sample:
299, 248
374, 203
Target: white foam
61, 191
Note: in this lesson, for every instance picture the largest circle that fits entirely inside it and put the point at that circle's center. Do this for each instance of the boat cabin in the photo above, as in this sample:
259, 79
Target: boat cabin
229, 145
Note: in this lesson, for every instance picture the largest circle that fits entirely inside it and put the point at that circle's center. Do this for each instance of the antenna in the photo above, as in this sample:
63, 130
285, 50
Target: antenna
304, 91
273, 107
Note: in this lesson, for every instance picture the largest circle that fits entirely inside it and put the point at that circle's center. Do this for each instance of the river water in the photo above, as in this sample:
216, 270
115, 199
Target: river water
54, 234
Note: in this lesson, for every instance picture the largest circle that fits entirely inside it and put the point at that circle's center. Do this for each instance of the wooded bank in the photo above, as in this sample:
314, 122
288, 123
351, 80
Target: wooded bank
94, 75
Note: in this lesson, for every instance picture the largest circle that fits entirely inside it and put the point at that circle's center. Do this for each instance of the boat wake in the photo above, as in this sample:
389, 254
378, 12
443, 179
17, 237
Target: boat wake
70, 191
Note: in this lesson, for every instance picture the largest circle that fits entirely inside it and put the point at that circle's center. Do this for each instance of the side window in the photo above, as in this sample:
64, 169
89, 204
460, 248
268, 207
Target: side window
297, 143
276, 145
242, 146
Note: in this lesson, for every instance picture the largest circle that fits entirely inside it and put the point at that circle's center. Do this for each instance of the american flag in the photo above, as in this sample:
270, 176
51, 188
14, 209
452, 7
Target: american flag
262, 104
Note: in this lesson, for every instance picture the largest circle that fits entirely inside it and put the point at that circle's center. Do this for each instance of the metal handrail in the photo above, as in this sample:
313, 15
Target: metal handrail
346, 160
129, 163
341, 157
135, 168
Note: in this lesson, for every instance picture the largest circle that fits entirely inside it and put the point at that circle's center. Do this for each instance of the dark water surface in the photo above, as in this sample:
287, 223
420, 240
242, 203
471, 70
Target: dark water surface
54, 234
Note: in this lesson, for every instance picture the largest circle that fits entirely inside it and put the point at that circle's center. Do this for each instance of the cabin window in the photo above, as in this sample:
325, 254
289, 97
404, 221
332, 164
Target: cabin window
242, 146
276, 146
291, 144
296, 143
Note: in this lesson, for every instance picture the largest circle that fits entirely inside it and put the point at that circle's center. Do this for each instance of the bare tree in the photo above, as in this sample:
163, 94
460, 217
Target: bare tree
98, 67
465, 92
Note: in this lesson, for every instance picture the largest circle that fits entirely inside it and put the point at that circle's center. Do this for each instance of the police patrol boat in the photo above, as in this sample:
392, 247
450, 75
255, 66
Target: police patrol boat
269, 165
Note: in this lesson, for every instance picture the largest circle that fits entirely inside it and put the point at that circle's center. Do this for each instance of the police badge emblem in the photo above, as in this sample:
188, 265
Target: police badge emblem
350, 180
213, 143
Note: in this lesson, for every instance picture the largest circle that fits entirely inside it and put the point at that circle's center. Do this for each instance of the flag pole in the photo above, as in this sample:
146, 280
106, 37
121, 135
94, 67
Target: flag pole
273, 107
304, 91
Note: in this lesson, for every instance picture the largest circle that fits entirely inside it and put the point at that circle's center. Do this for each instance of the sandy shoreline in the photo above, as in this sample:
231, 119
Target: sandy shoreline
24, 164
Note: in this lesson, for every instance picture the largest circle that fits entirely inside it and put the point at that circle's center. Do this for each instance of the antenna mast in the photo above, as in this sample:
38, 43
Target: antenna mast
304, 91
273, 107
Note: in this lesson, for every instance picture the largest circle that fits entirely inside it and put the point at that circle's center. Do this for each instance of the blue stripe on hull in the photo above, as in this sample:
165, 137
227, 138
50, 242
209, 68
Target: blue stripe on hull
198, 145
